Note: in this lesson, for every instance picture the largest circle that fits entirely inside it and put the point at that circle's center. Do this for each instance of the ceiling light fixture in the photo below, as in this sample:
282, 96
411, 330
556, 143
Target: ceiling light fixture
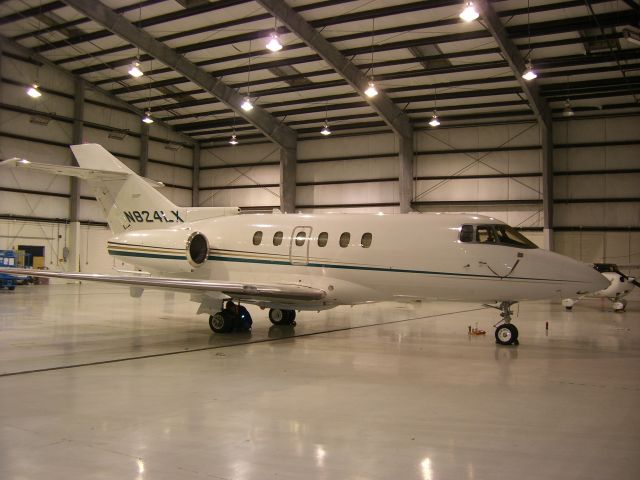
567, 111
33, 91
247, 106
371, 91
274, 43
469, 14
233, 140
147, 117
135, 71
529, 73
325, 129
434, 122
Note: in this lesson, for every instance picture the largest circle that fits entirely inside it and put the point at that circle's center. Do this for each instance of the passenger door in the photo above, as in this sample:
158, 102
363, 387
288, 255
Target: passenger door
299, 247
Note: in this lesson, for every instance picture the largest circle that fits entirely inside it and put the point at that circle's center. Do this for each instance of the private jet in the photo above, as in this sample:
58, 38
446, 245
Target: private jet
297, 262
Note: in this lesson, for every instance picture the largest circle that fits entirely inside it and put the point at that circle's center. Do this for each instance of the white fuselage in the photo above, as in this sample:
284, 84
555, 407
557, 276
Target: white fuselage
411, 257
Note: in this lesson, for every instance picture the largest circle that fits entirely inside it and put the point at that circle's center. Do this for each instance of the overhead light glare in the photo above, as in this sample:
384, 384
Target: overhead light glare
325, 129
371, 91
135, 71
247, 106
567, 111
529, 74
274, 43
434, 122
233, 140
147, 117
33, 91
469, 14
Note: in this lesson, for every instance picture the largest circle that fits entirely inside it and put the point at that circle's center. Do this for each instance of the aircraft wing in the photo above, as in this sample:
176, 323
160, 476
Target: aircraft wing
280, 291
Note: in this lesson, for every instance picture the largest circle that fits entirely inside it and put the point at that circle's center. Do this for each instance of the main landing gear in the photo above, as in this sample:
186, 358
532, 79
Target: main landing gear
506, 332
231, 317
282, 317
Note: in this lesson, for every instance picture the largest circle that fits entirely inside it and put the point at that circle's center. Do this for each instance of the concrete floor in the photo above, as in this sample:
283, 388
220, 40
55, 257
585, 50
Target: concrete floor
97, 385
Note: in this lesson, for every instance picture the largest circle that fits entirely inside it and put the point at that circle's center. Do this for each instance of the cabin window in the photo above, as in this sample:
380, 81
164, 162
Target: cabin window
345, 238
365, 241
277, 239
466, 233
300, 238
323, 238
257, 238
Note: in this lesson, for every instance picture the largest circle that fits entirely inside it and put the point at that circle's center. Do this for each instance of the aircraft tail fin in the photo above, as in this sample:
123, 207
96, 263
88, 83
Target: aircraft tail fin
130, 202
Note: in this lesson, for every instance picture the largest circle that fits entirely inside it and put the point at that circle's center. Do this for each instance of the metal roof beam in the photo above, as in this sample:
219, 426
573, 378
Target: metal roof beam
31, 55
385, 107
514, 58
274, 129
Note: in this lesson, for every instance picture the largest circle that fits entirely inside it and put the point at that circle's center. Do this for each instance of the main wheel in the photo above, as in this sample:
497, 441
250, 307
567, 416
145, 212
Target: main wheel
12, 287
506, 334
222, 322
244, 319
282, 317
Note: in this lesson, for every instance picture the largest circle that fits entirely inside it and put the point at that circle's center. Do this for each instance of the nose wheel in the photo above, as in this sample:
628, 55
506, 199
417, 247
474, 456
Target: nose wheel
506, 332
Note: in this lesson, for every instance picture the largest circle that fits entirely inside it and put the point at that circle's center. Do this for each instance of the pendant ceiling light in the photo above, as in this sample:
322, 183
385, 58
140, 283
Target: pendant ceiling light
371, 90
34, 91
469, 14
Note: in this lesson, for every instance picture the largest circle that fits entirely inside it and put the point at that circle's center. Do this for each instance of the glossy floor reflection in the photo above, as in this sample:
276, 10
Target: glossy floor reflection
387, 391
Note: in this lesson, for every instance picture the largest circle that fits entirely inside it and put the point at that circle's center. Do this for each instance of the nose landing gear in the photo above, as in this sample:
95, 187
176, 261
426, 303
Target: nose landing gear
506, 332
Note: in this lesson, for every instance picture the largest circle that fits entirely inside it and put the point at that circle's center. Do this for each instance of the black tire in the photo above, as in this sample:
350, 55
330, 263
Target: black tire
12, 287
568, 309
244, 320
222, 322
506, 334
278, 316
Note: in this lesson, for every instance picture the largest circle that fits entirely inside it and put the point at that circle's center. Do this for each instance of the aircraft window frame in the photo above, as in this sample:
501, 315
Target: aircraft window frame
345, 239
467, 233
301, 237
496, 234
277, 238
257, 238
323, 239
366, 239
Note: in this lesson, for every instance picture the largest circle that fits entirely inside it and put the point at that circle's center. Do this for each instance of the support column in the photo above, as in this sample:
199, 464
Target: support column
288, 164
73, 258
405, 157
144, 150
195, 183
546, 140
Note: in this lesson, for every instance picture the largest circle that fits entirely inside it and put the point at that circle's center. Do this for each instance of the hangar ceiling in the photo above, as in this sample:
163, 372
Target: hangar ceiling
419, 53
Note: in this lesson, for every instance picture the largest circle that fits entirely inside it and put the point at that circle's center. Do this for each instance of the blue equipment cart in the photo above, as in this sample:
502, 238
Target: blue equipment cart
8, 259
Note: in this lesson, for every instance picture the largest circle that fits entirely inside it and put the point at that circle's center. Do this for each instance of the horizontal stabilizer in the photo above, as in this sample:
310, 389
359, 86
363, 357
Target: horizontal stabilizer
85, 173
234, 289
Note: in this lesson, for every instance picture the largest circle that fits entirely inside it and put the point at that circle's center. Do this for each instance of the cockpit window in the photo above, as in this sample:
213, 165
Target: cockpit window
494, 234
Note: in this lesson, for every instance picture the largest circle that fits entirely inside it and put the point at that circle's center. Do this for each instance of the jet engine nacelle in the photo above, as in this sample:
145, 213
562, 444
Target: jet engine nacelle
175, 250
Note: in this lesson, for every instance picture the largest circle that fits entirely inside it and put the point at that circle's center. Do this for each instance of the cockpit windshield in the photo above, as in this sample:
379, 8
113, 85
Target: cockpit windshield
498, 234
